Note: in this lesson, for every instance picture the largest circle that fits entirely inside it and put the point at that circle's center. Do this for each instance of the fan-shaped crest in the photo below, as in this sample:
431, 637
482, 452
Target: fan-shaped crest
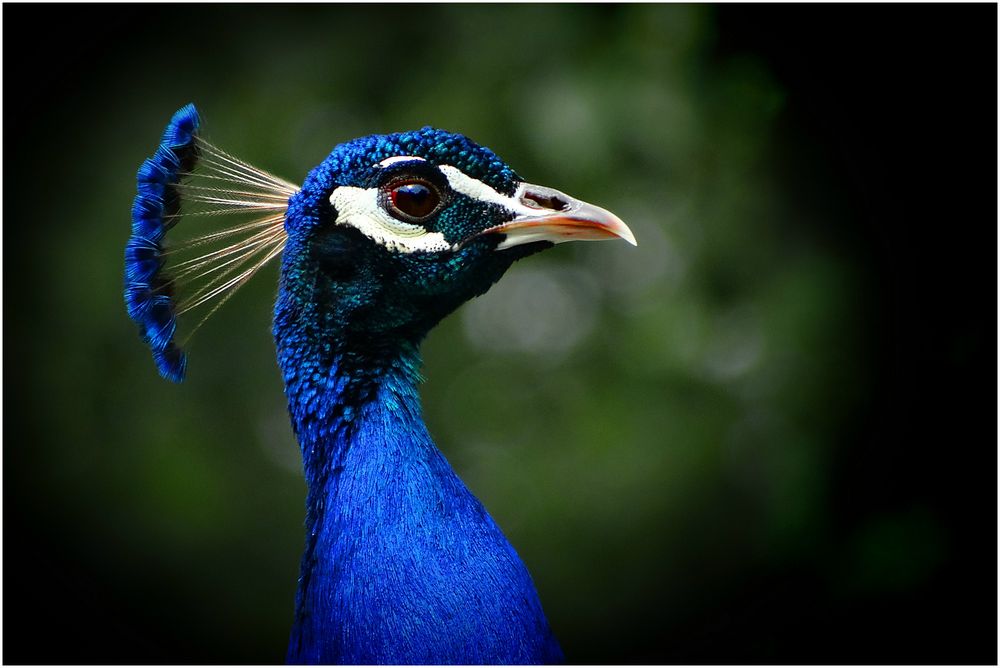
233, 225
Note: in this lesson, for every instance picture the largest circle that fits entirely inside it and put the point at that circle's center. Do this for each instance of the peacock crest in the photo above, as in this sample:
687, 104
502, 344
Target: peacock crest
233, 215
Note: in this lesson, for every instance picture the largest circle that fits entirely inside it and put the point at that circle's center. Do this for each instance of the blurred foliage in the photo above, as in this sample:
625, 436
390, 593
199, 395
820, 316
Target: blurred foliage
651, 426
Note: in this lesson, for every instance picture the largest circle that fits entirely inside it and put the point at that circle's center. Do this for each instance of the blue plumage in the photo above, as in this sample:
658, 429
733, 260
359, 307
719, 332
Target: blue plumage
387, 236
402, 563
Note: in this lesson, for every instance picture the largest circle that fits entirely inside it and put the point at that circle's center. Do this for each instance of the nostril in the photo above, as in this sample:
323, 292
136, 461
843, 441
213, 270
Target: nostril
537, 200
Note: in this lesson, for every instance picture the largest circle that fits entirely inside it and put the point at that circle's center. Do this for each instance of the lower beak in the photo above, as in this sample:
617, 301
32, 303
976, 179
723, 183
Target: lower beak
545, 214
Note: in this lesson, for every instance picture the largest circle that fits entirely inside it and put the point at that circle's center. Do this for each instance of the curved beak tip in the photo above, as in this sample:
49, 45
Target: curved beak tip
614, 227
625, 233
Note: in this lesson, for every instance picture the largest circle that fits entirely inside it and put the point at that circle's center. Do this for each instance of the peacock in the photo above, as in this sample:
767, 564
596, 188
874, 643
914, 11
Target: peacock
388, 235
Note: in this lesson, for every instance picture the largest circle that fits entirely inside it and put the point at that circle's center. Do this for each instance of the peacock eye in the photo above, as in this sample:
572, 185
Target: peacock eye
415, 200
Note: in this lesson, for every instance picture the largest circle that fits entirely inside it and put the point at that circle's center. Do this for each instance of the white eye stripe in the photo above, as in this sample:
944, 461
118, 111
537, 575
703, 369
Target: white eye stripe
360, 208
399, 158
477, 190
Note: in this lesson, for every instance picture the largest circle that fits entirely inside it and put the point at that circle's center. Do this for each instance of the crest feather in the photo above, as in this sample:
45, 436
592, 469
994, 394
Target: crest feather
205, 262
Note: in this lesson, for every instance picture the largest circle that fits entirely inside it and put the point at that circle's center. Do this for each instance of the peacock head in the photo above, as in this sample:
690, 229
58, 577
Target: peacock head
385, 237
396, 231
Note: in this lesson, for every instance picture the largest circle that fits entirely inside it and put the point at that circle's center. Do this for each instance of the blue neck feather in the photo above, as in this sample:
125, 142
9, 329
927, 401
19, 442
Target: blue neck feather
402, 563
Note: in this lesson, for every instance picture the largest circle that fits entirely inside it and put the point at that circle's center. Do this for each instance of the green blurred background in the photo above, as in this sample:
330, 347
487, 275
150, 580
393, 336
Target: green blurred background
710, 448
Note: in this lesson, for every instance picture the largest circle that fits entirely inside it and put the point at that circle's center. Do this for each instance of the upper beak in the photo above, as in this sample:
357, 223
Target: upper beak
544, 214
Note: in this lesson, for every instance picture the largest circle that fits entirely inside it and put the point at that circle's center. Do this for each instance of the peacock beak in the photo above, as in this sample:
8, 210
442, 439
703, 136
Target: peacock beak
544, 214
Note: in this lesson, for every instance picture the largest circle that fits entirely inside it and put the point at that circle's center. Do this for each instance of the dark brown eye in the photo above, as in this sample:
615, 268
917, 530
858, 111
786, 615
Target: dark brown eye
415, 199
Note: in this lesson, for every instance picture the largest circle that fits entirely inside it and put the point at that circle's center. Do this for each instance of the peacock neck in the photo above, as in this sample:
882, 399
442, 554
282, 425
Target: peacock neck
402, 563
337, 394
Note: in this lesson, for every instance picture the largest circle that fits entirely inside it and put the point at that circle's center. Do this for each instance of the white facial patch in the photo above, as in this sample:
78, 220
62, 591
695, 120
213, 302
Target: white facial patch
359, 208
